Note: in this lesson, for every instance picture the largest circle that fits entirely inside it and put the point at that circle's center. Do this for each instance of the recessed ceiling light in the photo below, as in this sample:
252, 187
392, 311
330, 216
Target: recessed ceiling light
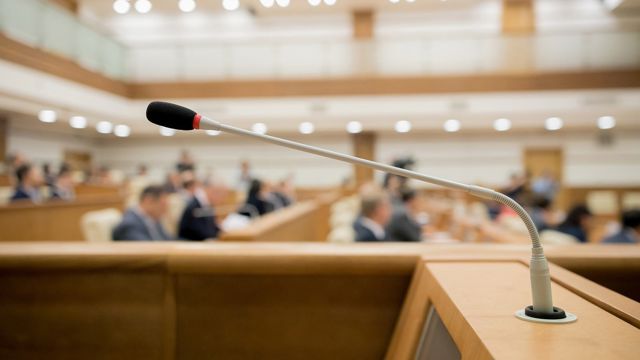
213, 132
553, 123
330, 2
121, 6
143, 6
606, 122
403, 126
283, 3
394, 1
78, 122
502, 124
306, 128
314, 2
104, 127
164, 131
259, 128
354, 127
267, 3
231, 5
187, 5
122, 130
47, 116
452, 125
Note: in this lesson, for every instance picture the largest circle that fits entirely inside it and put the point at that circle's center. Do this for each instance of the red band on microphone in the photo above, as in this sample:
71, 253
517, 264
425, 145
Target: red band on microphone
196, 121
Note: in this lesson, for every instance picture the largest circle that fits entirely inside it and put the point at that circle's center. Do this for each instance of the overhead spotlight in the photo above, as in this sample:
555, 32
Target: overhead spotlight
283, 3
78, 122
354, 127
267, 3
143, 6
164, 131
259, 128
122, 131
187, 5
606, 122
306, 128
231, 5
553, 124
213, 132
403, 126
502, 124
329, 2
314, 2
410, 1
104, 127
394, 1
121, 6
452, 125
47, 116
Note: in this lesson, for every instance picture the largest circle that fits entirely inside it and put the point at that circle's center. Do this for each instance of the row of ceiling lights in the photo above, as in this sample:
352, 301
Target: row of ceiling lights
144, 6
80, 122
353, 127
404, 126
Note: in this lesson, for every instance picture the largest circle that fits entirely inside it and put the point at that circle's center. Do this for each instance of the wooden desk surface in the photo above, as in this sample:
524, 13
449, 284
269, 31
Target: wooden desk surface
488, 310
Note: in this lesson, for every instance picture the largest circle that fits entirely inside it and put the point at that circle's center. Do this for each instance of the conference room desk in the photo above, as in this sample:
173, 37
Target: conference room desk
51, 221
302, 221
302, 300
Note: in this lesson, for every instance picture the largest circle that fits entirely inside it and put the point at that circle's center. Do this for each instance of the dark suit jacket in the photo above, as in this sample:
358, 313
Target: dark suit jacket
195, 226
403, 228
363, 233
20, 195
132, 227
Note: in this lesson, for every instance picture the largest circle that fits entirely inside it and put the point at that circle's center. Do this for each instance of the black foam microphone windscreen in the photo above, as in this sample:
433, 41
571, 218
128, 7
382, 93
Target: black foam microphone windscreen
170, 115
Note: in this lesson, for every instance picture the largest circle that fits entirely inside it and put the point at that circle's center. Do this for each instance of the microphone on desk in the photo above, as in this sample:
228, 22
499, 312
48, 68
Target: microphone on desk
180, 118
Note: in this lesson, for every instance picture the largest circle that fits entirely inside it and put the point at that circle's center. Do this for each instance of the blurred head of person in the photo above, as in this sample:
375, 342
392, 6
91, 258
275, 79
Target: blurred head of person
65, 179
154, 201
579, 216
256, 189
142, 170
190, 186
376, 206
409, 198
631, 220
28, 176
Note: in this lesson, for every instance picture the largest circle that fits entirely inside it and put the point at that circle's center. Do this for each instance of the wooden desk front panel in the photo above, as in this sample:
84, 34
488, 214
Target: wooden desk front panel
55, 221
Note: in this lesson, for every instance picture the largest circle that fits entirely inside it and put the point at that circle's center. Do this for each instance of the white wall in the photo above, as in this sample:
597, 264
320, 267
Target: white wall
46, 147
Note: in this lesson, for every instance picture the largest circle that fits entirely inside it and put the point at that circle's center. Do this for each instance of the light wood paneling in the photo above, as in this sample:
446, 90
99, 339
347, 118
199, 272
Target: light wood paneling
70, 5
4, 125
364, 146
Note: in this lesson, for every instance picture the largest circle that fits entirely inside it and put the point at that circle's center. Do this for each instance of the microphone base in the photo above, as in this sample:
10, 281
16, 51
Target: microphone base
558, 316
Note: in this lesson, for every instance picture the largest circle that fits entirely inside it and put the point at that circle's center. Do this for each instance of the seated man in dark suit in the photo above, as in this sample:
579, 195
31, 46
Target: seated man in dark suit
403, 226
630, 232
375, 212
142, 222
198, 221
62, 187
29, 181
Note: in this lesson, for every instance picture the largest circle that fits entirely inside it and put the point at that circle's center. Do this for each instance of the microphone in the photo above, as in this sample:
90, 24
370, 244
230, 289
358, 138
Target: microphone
181, 118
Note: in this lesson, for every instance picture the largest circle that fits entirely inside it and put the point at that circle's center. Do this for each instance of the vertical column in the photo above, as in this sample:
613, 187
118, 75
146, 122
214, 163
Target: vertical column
363, 59
4, 125
71, 5
364, 146
518, 16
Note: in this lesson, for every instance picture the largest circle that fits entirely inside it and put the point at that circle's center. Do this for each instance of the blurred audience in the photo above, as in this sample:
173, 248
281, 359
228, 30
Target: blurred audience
63, 186
143, 222
256, 202
199, 221
244, 177
282, 194
545, 186
540, 211
403, 225
29, 180
577, 223
630, 231
185, 163
375, 213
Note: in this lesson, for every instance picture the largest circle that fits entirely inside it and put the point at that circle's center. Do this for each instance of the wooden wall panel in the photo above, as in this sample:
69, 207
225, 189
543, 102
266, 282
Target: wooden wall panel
364, 146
